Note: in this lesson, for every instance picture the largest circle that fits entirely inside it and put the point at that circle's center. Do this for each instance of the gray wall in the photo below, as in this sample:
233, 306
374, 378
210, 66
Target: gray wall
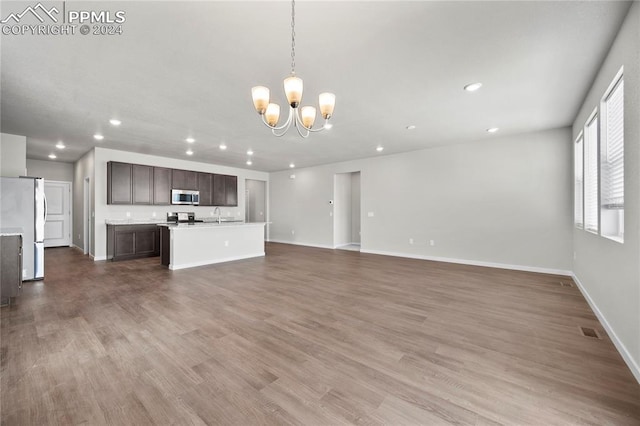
13, 155
499, 200
609, 271
83, 168
51, 170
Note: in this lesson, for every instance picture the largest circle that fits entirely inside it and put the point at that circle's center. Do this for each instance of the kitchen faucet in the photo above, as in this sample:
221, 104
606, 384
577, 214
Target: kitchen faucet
214, 212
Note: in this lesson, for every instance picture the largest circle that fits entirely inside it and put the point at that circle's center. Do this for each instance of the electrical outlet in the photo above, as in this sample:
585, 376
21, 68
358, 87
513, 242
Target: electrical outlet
432, 243
128, 214
293, 232
330, 213
226, 243
211, 213
410, 240
153, 214
371, 214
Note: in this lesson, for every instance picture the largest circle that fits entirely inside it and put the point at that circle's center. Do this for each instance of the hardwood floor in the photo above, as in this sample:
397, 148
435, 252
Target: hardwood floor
306, 336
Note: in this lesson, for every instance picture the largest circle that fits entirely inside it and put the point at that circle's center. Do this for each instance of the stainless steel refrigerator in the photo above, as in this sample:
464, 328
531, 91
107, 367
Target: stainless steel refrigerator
24, 205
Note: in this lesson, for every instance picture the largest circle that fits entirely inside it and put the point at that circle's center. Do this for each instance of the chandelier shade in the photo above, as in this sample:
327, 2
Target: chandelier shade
302, 118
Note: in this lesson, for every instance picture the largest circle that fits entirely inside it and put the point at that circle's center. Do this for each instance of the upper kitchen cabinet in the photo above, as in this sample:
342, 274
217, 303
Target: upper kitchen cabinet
162, 179
142, 184
231, 183
205, 187
185, 179
119, 183
225, 190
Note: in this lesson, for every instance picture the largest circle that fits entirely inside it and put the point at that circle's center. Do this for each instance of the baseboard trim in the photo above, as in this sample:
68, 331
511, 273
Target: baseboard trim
212, 262
299, 243
622, 349
97, 258
473, 262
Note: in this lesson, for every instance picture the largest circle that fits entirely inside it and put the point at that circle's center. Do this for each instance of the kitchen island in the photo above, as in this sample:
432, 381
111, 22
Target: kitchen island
186, 245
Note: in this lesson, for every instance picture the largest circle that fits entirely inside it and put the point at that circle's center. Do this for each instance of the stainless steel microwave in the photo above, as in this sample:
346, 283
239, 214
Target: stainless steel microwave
184, 196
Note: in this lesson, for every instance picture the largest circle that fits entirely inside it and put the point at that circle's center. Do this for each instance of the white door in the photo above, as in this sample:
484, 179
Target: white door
57, 228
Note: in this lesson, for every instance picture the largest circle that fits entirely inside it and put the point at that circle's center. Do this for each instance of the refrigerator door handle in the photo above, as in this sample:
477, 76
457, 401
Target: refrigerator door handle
46, 207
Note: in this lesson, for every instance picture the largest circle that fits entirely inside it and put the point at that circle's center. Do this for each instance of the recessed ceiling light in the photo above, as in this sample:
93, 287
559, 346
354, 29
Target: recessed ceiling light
115, 122
189, 152
52, 156
292, 165
223, 146
98, 137
328, 126
472, 87
249, 152
380, 148
493, 129
60, 145
411, 127
190, 140
249, 162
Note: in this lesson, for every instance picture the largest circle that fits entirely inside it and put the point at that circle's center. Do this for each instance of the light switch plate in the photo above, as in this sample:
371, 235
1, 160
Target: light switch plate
371, 214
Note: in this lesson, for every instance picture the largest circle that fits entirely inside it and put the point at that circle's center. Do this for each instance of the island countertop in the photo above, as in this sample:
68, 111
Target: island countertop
200, 225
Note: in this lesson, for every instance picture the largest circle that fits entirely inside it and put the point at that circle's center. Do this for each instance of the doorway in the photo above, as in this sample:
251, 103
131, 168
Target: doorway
255, 202
86, 220
346, 211
57, 227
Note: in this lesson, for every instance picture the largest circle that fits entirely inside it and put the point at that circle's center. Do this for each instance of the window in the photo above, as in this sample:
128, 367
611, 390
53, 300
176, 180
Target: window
591, 174
612, 161
578, 187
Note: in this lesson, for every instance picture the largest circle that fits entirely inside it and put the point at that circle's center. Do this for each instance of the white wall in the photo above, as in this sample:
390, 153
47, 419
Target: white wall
607, 271
13, 155
104, 211
498, 200
83, 168
50, 170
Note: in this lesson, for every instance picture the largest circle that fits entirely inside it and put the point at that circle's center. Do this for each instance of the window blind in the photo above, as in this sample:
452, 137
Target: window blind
578, 211
612, 157
591, 175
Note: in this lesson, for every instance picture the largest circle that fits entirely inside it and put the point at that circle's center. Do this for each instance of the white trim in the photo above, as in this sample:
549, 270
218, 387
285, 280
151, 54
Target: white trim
73, 246
299, 243
622, 349
473, 262
211, 262
97, 258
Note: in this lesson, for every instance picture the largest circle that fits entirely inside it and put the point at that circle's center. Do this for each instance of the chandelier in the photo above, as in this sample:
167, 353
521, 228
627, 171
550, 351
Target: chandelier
302, 118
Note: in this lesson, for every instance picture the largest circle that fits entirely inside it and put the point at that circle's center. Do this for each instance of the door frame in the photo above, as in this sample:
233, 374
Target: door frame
86, 210
70, 206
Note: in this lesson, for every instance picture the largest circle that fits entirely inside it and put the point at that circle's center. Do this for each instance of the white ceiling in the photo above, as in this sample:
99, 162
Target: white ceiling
186, 69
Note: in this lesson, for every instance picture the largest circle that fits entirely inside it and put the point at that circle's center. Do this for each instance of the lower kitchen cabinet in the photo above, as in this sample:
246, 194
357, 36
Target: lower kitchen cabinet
10, 267
132, 241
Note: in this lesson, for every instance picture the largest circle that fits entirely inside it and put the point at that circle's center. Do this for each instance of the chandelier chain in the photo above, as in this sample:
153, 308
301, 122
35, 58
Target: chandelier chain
293, 37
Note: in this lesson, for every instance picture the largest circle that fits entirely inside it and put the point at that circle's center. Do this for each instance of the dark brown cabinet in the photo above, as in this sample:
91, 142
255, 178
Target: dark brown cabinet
132, 241
225, 190
138, 184
205, 187
162, 179
184, 179
142, 183
119, 190
231, 190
